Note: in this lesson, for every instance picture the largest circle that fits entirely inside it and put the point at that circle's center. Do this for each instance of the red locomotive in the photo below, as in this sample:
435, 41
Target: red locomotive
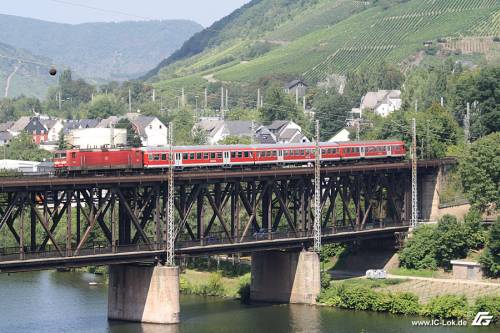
186, 157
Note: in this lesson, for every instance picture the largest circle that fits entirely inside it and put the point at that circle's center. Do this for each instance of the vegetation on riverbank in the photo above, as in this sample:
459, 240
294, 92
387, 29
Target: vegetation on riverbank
434, 246
360, 295
209, 277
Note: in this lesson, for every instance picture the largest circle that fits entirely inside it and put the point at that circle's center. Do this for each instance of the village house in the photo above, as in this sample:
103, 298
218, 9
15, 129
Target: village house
92, 137
53, 127
150, 129
286, 131
382, 102
296, 87
341, 136
32, 126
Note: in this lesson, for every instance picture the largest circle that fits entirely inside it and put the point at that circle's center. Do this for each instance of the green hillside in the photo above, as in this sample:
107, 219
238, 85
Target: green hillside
314, 39
100, 51
23, 73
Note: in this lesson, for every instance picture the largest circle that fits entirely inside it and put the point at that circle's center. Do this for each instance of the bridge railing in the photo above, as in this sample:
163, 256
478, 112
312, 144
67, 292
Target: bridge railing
101, 248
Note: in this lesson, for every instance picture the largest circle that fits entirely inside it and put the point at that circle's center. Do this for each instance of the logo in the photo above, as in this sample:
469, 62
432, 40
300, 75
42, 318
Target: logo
482, 319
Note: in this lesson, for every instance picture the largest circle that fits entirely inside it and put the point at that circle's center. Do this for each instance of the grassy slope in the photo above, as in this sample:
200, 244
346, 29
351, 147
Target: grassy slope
337, 36
31, 78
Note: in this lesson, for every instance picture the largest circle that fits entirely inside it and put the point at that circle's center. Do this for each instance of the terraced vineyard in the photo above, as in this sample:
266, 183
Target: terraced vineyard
362, 34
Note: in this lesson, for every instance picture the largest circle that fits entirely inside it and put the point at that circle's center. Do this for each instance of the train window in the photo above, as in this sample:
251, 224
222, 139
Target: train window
198, 156
185, 156
212, 155
245, 154
219, 155
240, 154
205, 156
233, 154
73, 155
191, 156
274, 153
157, 157
356, 150
163, 157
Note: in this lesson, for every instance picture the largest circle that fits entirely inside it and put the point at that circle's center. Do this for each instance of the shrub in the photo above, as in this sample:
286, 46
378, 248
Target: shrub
451, 242
325, 279
490, 259
476, 236
404, 303
419, 251
244, 288
213, 287
331, 250
363, 298
446, 306
489, 304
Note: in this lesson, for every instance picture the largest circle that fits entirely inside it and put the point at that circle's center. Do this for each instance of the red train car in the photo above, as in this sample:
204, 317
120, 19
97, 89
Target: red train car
226, 156
102, 159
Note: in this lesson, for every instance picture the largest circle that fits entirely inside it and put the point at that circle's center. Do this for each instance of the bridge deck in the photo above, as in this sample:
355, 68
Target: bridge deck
139, 253
211, 176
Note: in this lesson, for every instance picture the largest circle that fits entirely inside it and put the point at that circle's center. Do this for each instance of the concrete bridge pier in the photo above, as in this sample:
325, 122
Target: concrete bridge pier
285, 277
148, 294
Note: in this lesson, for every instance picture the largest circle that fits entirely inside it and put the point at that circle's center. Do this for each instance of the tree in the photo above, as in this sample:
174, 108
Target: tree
23, 148
451, 241
104, 106
133, 139
331, 111
480, 172
419, 251
436, 130
62, 144
183, 122
279, 106
236, 140
490, 258
480, 88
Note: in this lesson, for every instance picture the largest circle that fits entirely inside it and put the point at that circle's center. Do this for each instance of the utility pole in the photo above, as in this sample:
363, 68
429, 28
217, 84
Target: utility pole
317, 193
427, 140
414, 199
129, 100
296, 95
183, 100
154, 95
467, 124
258, 98
227, 99
170, 205
60, 101
442, 101
206, 99
196, 110
221, 99
416, 105
304, 103
253, 132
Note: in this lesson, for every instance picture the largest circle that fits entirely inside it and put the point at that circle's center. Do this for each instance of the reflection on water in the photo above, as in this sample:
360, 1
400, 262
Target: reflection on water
44, 302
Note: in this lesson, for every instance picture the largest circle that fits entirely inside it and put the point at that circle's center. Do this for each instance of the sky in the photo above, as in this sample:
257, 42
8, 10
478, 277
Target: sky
204, 12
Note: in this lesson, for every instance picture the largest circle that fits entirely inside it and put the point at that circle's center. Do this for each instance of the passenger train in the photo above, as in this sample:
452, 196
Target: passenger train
224, 156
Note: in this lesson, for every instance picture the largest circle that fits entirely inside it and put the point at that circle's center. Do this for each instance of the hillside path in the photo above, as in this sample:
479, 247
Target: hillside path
9, 78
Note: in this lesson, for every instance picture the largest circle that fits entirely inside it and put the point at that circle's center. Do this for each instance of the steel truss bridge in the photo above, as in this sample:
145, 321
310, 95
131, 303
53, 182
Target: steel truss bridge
50, 222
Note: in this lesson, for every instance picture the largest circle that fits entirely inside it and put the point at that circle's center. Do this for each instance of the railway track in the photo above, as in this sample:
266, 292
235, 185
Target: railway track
206, 175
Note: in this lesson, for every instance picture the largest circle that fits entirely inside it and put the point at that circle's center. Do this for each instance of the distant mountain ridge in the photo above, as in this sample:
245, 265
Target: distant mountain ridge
100, 51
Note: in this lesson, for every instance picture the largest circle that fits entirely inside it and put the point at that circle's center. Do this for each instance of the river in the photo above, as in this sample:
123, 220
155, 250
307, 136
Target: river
50, 301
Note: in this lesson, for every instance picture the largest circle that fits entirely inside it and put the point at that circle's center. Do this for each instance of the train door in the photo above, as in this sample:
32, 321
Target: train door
178, 159
389, 150
280, 156
226, 158
362, 152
